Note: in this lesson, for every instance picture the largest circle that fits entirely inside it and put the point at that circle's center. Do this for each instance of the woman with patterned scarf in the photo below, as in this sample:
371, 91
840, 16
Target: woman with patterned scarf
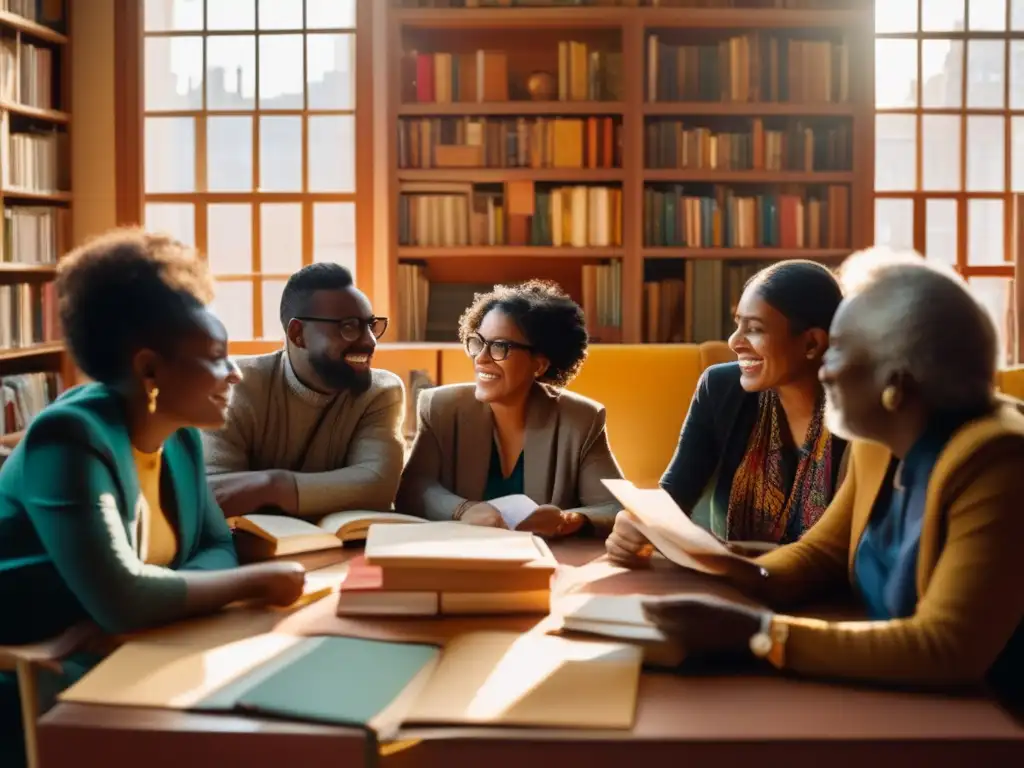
754, 436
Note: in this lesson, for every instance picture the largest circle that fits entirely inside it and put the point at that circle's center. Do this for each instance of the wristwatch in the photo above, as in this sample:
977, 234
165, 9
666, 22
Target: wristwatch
770, 641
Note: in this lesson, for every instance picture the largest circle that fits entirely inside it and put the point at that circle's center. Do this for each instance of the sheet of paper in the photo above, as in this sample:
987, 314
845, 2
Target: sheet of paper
669, 529
514, 509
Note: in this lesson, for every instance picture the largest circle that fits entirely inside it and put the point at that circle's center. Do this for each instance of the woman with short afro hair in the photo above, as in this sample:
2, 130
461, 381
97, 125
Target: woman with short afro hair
105, 514
515, 430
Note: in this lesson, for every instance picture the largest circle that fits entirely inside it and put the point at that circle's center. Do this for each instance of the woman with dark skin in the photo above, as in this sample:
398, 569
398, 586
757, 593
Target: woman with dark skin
105, 514
756, 426
515, 430
926, 527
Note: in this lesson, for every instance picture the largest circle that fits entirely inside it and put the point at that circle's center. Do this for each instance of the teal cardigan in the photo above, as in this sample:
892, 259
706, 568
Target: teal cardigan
68, 514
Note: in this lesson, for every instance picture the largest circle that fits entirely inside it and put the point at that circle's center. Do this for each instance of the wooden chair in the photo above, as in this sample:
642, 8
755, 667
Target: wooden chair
27, 661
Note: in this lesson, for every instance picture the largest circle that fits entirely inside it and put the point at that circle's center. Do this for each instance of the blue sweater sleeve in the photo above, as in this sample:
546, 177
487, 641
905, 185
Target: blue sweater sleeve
698, 452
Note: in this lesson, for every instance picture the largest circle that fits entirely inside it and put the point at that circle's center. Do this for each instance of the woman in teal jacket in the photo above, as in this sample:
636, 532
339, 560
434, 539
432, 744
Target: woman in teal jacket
105, 514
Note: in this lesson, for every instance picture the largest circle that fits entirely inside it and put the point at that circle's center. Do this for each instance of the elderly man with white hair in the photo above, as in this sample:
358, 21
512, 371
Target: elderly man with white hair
927, 526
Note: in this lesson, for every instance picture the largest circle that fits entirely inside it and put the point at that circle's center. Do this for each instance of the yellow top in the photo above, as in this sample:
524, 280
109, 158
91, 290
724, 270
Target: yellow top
969, 567
159, 540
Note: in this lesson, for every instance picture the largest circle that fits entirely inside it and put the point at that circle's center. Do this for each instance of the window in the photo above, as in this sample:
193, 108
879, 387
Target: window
949, 138
250, 142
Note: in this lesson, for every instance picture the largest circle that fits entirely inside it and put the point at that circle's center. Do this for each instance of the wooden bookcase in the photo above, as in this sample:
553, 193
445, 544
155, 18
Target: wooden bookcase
36, 201
762, 191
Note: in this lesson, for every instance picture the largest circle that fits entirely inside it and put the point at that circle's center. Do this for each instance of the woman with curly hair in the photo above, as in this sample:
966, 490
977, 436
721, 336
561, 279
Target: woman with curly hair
105, 514
515, 430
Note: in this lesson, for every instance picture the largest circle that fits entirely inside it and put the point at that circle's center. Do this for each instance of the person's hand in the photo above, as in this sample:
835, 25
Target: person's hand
625, 545
703, 624
240, 493
551, 522
279, 583
483, 514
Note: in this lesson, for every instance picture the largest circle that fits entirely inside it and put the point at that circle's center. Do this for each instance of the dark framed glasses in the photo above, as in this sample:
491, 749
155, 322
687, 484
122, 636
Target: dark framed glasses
497, 349
351, 328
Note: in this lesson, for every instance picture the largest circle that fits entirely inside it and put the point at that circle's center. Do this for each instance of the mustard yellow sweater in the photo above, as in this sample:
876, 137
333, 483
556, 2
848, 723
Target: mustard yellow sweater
970, 569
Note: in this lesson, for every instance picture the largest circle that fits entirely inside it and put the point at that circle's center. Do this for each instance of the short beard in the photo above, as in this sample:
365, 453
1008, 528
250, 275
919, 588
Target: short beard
340, 376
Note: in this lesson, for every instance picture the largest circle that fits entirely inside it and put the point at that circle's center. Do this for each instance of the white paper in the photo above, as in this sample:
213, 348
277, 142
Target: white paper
514, 509
669, 529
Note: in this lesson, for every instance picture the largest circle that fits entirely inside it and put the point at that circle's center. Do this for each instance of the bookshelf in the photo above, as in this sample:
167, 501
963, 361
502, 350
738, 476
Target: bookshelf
665, 152
35, 199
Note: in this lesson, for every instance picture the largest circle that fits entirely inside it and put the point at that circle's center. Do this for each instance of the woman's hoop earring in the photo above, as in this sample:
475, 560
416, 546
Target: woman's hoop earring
890, 398
154, 393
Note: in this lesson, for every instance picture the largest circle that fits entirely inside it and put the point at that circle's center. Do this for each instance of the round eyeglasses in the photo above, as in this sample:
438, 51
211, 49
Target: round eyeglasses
497, 349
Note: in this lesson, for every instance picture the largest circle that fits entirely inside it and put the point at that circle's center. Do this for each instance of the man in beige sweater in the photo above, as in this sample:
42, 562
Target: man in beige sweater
313, 429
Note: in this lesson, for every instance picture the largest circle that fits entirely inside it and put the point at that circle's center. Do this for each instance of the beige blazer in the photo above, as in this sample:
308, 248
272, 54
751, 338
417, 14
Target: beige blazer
566, 454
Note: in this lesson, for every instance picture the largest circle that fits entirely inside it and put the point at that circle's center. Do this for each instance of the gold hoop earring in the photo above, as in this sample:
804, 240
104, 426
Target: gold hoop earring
890, 398
154, 393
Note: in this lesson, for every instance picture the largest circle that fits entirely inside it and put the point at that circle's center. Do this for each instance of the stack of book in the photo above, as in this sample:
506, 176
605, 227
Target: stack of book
448, 569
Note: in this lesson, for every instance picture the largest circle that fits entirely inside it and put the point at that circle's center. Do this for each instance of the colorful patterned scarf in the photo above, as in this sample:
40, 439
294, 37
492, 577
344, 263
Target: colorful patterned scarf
759, 509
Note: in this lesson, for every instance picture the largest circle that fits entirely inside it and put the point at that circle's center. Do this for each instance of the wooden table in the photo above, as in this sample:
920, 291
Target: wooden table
704, 718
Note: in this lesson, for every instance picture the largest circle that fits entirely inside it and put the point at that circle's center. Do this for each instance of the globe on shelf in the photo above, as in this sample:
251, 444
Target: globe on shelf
541, 86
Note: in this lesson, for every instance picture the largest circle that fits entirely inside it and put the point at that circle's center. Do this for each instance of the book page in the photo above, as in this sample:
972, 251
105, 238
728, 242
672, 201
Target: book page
669, 529
338, 523
514, 509
449, 545
274, 527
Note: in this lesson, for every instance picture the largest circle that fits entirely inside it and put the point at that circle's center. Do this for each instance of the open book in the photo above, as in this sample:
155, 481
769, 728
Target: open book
670, 530
267, 535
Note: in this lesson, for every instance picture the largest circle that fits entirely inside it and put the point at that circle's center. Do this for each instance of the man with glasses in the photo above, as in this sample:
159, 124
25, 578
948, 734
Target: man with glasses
313, 429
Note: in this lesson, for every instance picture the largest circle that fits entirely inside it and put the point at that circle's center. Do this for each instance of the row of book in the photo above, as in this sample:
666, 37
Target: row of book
752, 4
28, 314
797, 147
26, 74
542, 142
814, 218
756, 67
583, 74
47, 12
23, 396
33, 235
454, 215
35, 161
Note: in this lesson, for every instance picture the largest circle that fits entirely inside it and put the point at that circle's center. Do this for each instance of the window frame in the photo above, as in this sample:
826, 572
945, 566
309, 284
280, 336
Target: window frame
130, 114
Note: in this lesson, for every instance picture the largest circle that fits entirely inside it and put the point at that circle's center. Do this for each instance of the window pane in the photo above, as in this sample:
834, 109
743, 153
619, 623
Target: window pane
272, 290
1017, 74
1017, 148
896, 16
895, 153
231, 14
332, 142
985, 154
1017, 15
987, 15
984, 232
330, 14
281, 154
176, 219
280, 14
940, 232
940, 152
942, 66
985, 62
280, 238
334, 234
941, 15
331, 71
232, 303
894, 222
281, 85
172, 15
229, 238
898, 86
173, 73
170, 164
229, 154
230, 71
995, 294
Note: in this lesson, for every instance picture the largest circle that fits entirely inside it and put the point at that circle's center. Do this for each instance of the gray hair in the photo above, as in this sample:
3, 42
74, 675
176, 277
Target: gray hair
920, 319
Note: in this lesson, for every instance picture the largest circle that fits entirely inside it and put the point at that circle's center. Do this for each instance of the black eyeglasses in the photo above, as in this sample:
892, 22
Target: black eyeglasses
351, 328
498, 349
